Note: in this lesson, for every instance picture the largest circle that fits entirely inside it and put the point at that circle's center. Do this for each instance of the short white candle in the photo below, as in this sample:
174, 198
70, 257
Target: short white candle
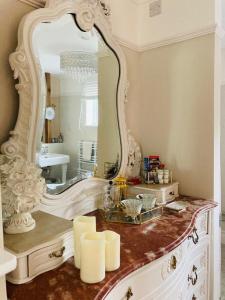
92, 267
112, 250
81, 224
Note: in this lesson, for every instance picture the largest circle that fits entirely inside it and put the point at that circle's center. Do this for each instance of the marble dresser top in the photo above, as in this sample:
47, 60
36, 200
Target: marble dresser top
140, 245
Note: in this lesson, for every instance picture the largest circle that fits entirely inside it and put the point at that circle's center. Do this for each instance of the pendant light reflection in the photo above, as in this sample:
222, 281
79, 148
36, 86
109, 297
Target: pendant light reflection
79, 65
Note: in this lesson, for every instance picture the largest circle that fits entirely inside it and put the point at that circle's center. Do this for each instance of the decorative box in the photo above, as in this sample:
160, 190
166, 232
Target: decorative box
163, 192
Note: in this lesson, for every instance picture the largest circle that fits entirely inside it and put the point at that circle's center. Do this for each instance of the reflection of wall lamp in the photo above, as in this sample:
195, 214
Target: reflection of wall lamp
50, 113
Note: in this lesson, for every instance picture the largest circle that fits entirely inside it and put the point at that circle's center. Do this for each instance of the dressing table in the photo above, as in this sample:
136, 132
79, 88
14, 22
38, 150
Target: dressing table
53, 43
165, 259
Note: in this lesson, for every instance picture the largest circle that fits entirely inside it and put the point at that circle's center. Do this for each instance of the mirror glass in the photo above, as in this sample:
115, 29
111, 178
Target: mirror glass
78, 125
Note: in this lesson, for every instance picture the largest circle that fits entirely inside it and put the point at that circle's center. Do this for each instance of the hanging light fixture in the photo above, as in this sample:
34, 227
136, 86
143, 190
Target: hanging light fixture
79, 65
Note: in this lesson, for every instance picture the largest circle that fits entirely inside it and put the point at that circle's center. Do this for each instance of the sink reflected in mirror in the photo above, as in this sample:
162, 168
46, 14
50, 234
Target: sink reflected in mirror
52, 159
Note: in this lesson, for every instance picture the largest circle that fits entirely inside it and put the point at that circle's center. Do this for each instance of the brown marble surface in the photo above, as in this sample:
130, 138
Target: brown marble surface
140, 245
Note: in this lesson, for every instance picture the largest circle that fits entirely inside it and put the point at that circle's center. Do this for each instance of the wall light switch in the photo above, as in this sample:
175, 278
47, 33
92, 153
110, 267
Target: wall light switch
155, 8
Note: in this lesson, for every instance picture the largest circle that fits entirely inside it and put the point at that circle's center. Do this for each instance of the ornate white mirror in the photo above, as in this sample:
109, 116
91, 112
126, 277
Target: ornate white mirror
72, 87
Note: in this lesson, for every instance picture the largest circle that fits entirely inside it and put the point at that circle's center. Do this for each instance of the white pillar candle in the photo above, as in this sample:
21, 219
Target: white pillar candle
92, 267
81, 224
112, 250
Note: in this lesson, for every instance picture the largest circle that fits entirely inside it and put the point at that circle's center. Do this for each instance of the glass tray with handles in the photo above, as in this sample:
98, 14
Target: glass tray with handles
118, 216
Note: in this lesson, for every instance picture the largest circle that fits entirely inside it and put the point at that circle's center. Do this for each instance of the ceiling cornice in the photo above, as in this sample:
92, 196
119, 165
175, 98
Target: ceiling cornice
34, 3
140, 2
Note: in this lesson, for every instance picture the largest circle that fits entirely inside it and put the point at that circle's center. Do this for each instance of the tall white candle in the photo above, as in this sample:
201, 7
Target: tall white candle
92, 267
112, 250
81, 224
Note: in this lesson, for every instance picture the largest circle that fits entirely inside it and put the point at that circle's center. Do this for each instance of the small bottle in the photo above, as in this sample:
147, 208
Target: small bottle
108, 201
60, 138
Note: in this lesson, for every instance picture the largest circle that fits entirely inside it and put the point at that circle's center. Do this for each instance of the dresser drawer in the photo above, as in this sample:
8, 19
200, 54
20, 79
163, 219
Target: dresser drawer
199, 232
173, 276
151, 277
200, 292
50, 257
202, 224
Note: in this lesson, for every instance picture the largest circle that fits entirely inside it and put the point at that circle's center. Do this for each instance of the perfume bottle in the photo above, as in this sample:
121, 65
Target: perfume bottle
108, 202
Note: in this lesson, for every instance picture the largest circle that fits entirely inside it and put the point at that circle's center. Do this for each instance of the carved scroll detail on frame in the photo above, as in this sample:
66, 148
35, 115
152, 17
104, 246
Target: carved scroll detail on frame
106, 8
86, 14
134, 157
17, 143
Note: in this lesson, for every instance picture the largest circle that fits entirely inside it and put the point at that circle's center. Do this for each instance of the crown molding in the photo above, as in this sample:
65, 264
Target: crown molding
180, 38
173, 39
140, 2
34, 3
127, 44
41, 3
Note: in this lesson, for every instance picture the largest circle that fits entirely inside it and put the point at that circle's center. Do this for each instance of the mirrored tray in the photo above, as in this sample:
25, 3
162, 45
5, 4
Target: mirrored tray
118, 216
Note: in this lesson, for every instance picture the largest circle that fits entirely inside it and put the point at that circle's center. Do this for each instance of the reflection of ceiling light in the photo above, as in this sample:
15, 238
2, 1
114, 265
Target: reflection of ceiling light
78, 64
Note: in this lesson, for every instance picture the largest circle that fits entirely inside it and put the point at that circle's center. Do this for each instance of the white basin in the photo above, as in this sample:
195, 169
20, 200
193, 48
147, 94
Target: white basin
52, 159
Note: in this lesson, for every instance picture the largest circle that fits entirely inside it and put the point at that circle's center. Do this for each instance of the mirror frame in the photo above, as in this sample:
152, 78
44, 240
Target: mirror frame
83, 196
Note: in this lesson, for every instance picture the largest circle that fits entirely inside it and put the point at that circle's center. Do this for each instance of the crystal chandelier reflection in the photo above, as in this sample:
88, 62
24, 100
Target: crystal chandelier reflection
79, 65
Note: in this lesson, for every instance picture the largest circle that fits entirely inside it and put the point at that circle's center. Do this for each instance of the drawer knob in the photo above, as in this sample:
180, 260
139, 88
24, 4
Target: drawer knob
58, 253
194, 297
194, 236
129, 293
193, 278
173, 262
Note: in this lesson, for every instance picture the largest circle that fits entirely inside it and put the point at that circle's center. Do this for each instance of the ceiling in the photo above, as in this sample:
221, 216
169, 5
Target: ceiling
51, 39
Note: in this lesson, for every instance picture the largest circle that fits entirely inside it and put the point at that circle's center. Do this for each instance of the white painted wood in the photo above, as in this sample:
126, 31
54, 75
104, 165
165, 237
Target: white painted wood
2, 278
7, 260
23, 140
20, 272
2, 288
159, 281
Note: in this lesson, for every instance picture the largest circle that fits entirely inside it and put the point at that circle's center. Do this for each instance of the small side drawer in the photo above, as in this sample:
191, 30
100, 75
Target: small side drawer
170, 193
50, 257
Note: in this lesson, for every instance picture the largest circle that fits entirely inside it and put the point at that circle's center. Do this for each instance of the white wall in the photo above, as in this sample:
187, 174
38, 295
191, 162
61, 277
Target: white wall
124, 20
172, 115
177, 17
